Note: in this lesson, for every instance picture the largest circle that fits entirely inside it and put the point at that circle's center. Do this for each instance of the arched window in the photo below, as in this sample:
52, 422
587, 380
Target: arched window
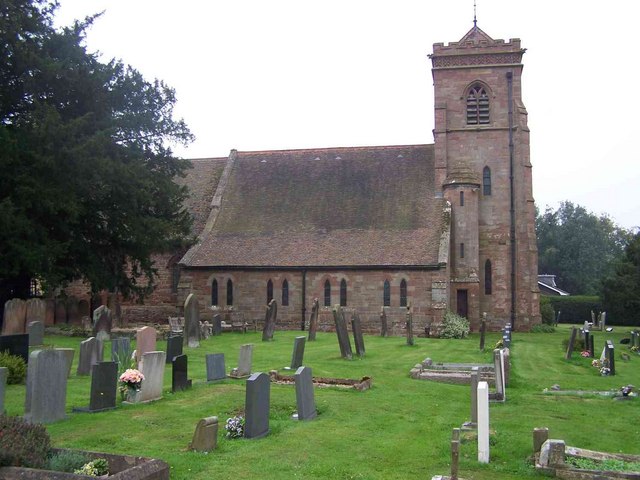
343, 293
285, 293
269, 291
327, 293
477, 106
462, 250
461, 198
488, 283
386, 294
229, 292
214, 292
403, 293
486, 181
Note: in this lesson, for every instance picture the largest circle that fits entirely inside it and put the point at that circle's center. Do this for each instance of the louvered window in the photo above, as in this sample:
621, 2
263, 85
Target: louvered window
477, 106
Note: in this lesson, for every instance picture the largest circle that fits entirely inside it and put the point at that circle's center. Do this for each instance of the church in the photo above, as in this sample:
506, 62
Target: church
442, 226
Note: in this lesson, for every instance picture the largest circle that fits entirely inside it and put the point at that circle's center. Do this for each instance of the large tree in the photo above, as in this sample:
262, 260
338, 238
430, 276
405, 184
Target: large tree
86, 190
579, 247
621, 291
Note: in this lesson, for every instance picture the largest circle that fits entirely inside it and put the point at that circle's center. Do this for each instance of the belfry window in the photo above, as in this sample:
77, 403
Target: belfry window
477, 106
486, 181
327, 293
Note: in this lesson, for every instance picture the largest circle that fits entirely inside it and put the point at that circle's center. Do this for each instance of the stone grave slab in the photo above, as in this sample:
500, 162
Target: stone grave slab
36, 311
297, 355
205, 438
35, 330
257, 401
104, 386
342, 333
152, 367
174, 347
15, 314
89, 355
483, 422
358, 339
46, 386
409, 328
244, 362
192, 321
305, 400
215, 367
145, 341
180, 377
217, 324
384, 324
17, 344
572, 341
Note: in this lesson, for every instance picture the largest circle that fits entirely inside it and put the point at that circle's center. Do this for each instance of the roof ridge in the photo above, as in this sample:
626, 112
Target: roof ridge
329, 149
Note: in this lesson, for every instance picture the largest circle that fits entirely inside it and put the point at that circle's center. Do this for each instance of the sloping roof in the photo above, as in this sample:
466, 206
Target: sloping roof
355, 206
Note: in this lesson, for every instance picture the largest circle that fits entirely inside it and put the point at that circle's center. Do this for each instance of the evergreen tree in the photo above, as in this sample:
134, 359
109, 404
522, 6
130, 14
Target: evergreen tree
621, 291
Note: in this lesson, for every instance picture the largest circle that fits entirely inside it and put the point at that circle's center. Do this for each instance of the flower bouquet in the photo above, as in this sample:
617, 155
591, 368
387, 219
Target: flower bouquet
234, 427
131, 381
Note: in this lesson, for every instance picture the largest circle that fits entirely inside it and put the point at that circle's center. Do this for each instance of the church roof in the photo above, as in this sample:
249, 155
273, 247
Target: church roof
335, 207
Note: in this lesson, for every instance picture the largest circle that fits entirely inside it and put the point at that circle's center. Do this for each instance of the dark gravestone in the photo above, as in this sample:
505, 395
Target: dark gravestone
298, 352
35, 330
174, 347
610, 356
180, 377
60, 311
409, 327
313, 320
102, 323
586, 341
384, 330
572, 341
16, 345
215, 367
46, 386
104, 384
121, 350
217, 324
305, 400
342, 333
192, 321
358, 339
256, 406
591, 346
270, 321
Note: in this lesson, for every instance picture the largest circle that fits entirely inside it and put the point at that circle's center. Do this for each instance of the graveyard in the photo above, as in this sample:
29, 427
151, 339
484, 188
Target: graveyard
400, 427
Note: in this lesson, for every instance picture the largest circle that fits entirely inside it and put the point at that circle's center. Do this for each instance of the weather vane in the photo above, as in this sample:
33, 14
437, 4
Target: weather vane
474, 15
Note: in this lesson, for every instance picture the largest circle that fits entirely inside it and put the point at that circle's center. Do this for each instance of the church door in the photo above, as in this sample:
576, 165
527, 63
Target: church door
462, 304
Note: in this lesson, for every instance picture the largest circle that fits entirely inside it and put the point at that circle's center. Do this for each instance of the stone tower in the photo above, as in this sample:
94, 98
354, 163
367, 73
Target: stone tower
482, 165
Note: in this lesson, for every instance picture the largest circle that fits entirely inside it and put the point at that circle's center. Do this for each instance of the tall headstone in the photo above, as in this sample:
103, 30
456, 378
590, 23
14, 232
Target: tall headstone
73, 315
49, 312
35, 330
409, 322
192, 321
36, 311
572, 341
384, 327
305, 400
217, 324
358, 339
498, 363
152, 367
342, 333
215, 367
68, 354
270, 321
102, 323
603, 321
61, 311
3, 384
298, 352
483, 330
174, 347
205, 438
611, 358
257, 400
244, 362
104, 385
475, 378
121, 350
46, 386
313, 320
180, 376
15, 314
16, 345
483, 422
145, 341
89, 355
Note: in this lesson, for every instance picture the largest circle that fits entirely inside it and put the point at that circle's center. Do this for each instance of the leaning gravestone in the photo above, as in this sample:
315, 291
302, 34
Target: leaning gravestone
174, 347
409, 327
205, 438
102, 323
192, 321
256, 408
46, 386
298, 352
152, 367
358, 339
572, 341
215, 367
3, 384
305, 400
270, 321
16, 345
180, 376
145, 341
244, 362
313, 320
15, 313
121, 350
384, 328
89, 355
498, 362
104, 384
35, 330
342, 333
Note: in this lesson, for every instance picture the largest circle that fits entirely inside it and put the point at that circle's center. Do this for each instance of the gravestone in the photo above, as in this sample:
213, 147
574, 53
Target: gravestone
73, 316
384, 327
205, 438
35, 330
121, 350
215, 367
15, 314
174, 347
409, 327
256, 406
313, 320
610, 356
180, 376
603, 321
270, 321
358, 339
298, 352
572, 341
305, 401
192, 321
102, 323
68, 354
16, 345
552, 454
84, 309
483, 329
474, 379
60, 311
104, 385
206, 330
145, 341
498, 365
89, 355
342, 333
176, 326
49, 312
113, 303
244, 362
455, 453
217, 324
3, 385
46, 386
152, 367
483, 422
36, 311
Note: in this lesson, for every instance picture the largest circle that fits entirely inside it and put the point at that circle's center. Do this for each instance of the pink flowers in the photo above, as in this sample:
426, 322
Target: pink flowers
132, 378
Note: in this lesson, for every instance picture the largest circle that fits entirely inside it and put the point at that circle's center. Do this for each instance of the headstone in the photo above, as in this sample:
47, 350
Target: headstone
3, 384
15, 314
35, 330
313, 320
73, 316
217, 324
455, 453
244, 362
498, 363
102, 323
205, 438
305, 400
88, 355
84, 308
192, 321
572, 341
384, 328
298, 352
611, 358
483, 422
180, 377
603, 321
342, 333
36, 311
152, 367
358, 339
60, 311
552, 454
256, 407
113, 303
215, 367
16, 345
46, 386
145, 341
483, 329
121, 350
270, 321
50, 312
475, 378
409, 327
104, 385
174, 347
68, 354
540, 435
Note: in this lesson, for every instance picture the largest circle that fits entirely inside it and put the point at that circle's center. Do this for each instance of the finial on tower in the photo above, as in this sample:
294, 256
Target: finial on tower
475, 21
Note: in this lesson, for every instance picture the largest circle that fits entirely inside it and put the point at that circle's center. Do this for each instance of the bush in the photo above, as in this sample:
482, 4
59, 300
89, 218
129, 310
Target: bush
454, 326
23, 444
575, 308
547, 312
94, 468
17, 368
67, 461
543, 328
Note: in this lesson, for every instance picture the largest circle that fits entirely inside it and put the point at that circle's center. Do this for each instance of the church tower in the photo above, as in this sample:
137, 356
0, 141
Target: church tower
483, 169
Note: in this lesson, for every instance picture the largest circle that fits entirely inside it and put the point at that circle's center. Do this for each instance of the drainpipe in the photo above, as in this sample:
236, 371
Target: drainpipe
304, 299
512, 227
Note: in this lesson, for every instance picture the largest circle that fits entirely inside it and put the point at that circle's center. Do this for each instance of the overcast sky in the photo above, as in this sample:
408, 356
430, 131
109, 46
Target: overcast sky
282, 74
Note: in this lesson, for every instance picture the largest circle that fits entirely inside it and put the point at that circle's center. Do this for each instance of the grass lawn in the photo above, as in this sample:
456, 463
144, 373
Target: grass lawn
400, 429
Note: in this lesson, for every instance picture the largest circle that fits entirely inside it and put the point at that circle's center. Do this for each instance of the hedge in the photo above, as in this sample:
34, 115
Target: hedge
575, 308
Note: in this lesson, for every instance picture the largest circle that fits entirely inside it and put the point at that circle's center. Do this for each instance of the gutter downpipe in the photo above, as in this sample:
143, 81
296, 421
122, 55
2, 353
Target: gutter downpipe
304, 297
512, 226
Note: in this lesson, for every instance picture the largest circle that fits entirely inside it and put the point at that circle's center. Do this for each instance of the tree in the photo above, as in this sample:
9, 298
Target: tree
87, 188
621, 291
578, 247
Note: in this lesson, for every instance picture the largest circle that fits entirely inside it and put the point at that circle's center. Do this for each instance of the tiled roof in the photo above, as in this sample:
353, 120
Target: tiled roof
354, 206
